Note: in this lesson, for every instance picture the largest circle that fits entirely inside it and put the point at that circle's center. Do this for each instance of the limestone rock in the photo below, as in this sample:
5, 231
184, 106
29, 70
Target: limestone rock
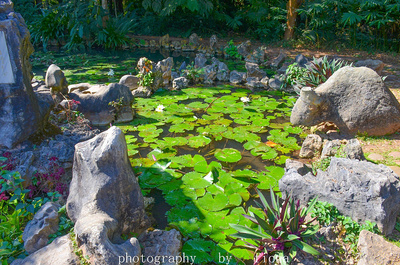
105, 199
359, 189
353, 150
301, 60
194, 39
80, 87
59, 252
244, 48
237, 77
257, 56
253, 70
130, 81
254, 83
164, 41
278, 61
376, 65
331, 148
374, 249
55, 79
165, 67
96, 106
179, 83
20, 114
213, 42
312, 145
37, 231
354, 98
265, 81
160, 243
200, 60
275, 83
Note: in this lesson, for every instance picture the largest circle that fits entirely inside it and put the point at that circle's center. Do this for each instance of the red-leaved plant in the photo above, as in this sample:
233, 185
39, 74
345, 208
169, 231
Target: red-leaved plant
280, 231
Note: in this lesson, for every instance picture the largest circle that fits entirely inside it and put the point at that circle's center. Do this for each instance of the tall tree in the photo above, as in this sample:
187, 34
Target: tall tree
292, 6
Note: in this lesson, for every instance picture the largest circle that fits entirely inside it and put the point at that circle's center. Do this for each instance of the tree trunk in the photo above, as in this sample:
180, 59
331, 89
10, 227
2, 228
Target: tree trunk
292, 5
104, 5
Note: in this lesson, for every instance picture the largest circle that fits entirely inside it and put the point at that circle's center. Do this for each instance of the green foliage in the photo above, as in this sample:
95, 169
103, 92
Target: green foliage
281, 229
321, 164
83, 260
232, 51
115, 34
15, 211
193, 74
146, 79
65, 225
349, 230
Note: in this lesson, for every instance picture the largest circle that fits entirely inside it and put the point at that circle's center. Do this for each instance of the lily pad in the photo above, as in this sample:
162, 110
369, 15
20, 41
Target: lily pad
229, 155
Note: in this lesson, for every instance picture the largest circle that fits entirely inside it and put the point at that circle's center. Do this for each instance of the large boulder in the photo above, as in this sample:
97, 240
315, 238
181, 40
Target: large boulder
376, 65
236, 77
97, 108
130, 81
354, 98
20, 114
55, 80
359, 189
105, 200
253, 70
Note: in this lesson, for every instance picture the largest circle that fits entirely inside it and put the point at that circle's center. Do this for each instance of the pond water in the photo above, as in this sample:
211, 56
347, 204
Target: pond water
204, 154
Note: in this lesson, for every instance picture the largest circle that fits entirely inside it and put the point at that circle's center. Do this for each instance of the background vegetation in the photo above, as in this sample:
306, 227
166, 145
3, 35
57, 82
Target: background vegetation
106, 23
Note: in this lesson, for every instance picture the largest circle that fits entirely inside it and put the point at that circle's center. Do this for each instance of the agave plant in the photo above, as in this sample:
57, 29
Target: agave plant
280, 231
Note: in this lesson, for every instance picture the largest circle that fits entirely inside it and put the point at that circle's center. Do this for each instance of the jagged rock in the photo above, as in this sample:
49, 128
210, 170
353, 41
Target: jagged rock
359, 189
311, 146
144, 65
278, 61
275, 83
283, 68
253, 70
353, 150
20, 114
165, 67
37, 231
301, 60
96, 106
80, 87
244, 48
164, 41
59, 252
105, 200
200, 60
374, 249
210, 74
257, 56
222, 70
55, 79
331, 148
354, 98
174, 75
194, 39
237, 77
160, 244
179, 83
213, 42
376, 65
141, 92
176, 45
254, 83
265, 81
130, 81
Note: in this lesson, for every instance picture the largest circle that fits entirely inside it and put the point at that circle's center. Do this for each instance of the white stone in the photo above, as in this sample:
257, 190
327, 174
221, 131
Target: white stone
6, 72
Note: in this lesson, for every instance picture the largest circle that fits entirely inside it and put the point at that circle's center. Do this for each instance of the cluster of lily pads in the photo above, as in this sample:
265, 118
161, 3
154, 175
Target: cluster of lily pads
206, 150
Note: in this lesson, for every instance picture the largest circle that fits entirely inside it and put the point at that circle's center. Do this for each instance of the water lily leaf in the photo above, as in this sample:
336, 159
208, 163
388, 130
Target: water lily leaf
198, 141
198, 105
176, 198
229, 155
195, 180
200, 249
175, 141
215, 189
235, 199
213, 203
181, 127
269, 155
187, 228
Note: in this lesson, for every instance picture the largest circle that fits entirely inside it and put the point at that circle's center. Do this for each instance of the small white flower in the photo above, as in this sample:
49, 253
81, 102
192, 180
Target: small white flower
111, 72
160, 108
195, 117
244, 99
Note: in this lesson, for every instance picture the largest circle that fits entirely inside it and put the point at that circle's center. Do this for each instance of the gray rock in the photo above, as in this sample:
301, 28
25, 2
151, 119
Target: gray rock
353, 150
257, 56
55, 79
210, 74
160, 244
237, 77
223, 72
165, 67
213, 42
105, 200
301, 60
80, 87
37, 231
376, 65
278, 61
353, 98
359, 189
275, 83
283, 68
179, 83
59, 252
331, 148
265, 81
96, 106
244, 48
254, 83
144, 65
20, 114
311, 146
293, 166
174, 75
194, 39
130, 81
200, 60
253, 70
182, 67
374, 249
